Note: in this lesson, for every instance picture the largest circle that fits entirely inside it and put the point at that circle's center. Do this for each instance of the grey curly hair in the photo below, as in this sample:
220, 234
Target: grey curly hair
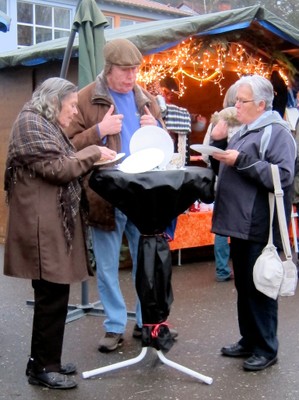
47, 98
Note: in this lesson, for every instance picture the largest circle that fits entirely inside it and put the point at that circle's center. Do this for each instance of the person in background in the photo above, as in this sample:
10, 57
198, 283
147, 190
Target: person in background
111, 109
241, 211
169, 89
178, 124
291, 97
45, 232
280, 99
223, 126
296, 184
178, 121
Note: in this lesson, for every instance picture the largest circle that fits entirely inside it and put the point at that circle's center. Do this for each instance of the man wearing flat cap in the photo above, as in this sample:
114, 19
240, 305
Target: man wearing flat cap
110, 110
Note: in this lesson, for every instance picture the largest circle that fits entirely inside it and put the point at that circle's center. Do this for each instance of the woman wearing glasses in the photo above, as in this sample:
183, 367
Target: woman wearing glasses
241, 211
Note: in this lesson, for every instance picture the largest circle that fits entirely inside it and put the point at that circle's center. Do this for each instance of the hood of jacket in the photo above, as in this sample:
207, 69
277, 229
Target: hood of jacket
270, 117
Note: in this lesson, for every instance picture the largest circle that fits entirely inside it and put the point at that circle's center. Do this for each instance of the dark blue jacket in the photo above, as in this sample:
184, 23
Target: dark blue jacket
241, 206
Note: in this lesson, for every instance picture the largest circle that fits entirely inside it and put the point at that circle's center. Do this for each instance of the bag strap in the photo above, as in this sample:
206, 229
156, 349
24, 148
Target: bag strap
281, 212
271, 208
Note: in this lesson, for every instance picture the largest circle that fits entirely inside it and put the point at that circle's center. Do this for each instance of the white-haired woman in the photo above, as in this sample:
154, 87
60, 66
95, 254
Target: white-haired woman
242, 212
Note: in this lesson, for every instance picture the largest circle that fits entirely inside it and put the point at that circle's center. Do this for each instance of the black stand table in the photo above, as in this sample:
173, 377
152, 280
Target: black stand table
151, 200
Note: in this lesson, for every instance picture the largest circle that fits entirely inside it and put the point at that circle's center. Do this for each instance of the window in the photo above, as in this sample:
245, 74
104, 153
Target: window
38, 23
127, 22
3, 6
110, 21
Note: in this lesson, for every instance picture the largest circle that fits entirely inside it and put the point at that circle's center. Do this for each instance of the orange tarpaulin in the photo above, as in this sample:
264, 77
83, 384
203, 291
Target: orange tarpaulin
193, 229
293, 227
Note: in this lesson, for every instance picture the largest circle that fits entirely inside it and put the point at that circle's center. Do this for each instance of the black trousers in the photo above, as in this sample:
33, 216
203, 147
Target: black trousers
257, 313
50, 312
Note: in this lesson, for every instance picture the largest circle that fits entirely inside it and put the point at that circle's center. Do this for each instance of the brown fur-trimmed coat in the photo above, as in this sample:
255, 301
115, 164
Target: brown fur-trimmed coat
94, 102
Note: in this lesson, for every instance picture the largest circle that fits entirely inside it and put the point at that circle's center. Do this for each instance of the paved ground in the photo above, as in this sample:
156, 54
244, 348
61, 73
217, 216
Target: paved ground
204, 313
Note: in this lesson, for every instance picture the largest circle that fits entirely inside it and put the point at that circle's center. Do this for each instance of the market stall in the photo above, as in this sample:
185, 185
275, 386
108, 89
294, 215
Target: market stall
225, 44
193, 229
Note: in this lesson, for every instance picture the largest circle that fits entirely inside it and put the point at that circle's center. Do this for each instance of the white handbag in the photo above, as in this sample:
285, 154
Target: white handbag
271, 275
292, 116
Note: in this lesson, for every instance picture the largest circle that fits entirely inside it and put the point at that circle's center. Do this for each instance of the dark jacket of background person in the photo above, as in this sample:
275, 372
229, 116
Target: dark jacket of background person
36, 246
296, 179
280, 93
94, 103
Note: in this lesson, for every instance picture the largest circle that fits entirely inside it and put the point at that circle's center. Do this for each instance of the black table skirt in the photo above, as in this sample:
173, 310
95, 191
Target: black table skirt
151, 200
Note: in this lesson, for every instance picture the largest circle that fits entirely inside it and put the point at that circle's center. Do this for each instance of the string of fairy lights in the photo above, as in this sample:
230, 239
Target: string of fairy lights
203, 62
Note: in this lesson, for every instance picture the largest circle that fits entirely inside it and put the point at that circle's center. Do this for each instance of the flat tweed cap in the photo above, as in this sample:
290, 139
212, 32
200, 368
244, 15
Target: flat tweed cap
122, 52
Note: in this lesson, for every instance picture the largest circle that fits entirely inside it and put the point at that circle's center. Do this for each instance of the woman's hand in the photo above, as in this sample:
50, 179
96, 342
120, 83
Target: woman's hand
106, 154
229, 157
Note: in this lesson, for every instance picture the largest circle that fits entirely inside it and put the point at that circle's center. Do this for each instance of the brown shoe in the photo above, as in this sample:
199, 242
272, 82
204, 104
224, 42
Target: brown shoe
110, 342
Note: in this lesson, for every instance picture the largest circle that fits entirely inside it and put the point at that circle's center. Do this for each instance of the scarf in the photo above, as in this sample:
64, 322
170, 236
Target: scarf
177, 119
35, 139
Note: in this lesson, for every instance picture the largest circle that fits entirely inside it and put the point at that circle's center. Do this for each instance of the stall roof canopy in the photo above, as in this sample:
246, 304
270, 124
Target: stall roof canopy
4, 22
255, 26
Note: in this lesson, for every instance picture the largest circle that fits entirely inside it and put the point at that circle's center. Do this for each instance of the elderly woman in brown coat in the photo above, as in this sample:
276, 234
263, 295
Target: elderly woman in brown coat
45, 234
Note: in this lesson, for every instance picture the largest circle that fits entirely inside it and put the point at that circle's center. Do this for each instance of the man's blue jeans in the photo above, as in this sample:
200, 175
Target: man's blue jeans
106, 247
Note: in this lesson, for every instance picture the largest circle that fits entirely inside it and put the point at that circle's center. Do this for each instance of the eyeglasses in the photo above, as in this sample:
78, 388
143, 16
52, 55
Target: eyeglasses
243, 101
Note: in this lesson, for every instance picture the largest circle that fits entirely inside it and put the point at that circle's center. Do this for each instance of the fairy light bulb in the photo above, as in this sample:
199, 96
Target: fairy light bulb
202, 63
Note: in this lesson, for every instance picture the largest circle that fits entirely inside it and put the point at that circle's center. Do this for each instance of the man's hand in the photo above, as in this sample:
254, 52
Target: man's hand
111, 123
147, 118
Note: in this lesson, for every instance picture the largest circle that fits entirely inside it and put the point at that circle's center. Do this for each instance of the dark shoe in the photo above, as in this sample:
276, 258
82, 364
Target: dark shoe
137, 332
66, 369
52, 380
258, 363
111, 341
235, 350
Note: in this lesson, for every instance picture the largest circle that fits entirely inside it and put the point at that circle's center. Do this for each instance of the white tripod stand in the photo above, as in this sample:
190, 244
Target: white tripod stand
135, 360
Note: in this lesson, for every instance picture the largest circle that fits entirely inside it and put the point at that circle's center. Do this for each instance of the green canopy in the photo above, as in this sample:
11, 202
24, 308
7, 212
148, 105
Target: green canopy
255, 26
90, 23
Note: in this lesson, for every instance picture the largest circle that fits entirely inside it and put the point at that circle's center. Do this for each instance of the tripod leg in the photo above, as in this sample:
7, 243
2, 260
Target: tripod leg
187, 371
122, 364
